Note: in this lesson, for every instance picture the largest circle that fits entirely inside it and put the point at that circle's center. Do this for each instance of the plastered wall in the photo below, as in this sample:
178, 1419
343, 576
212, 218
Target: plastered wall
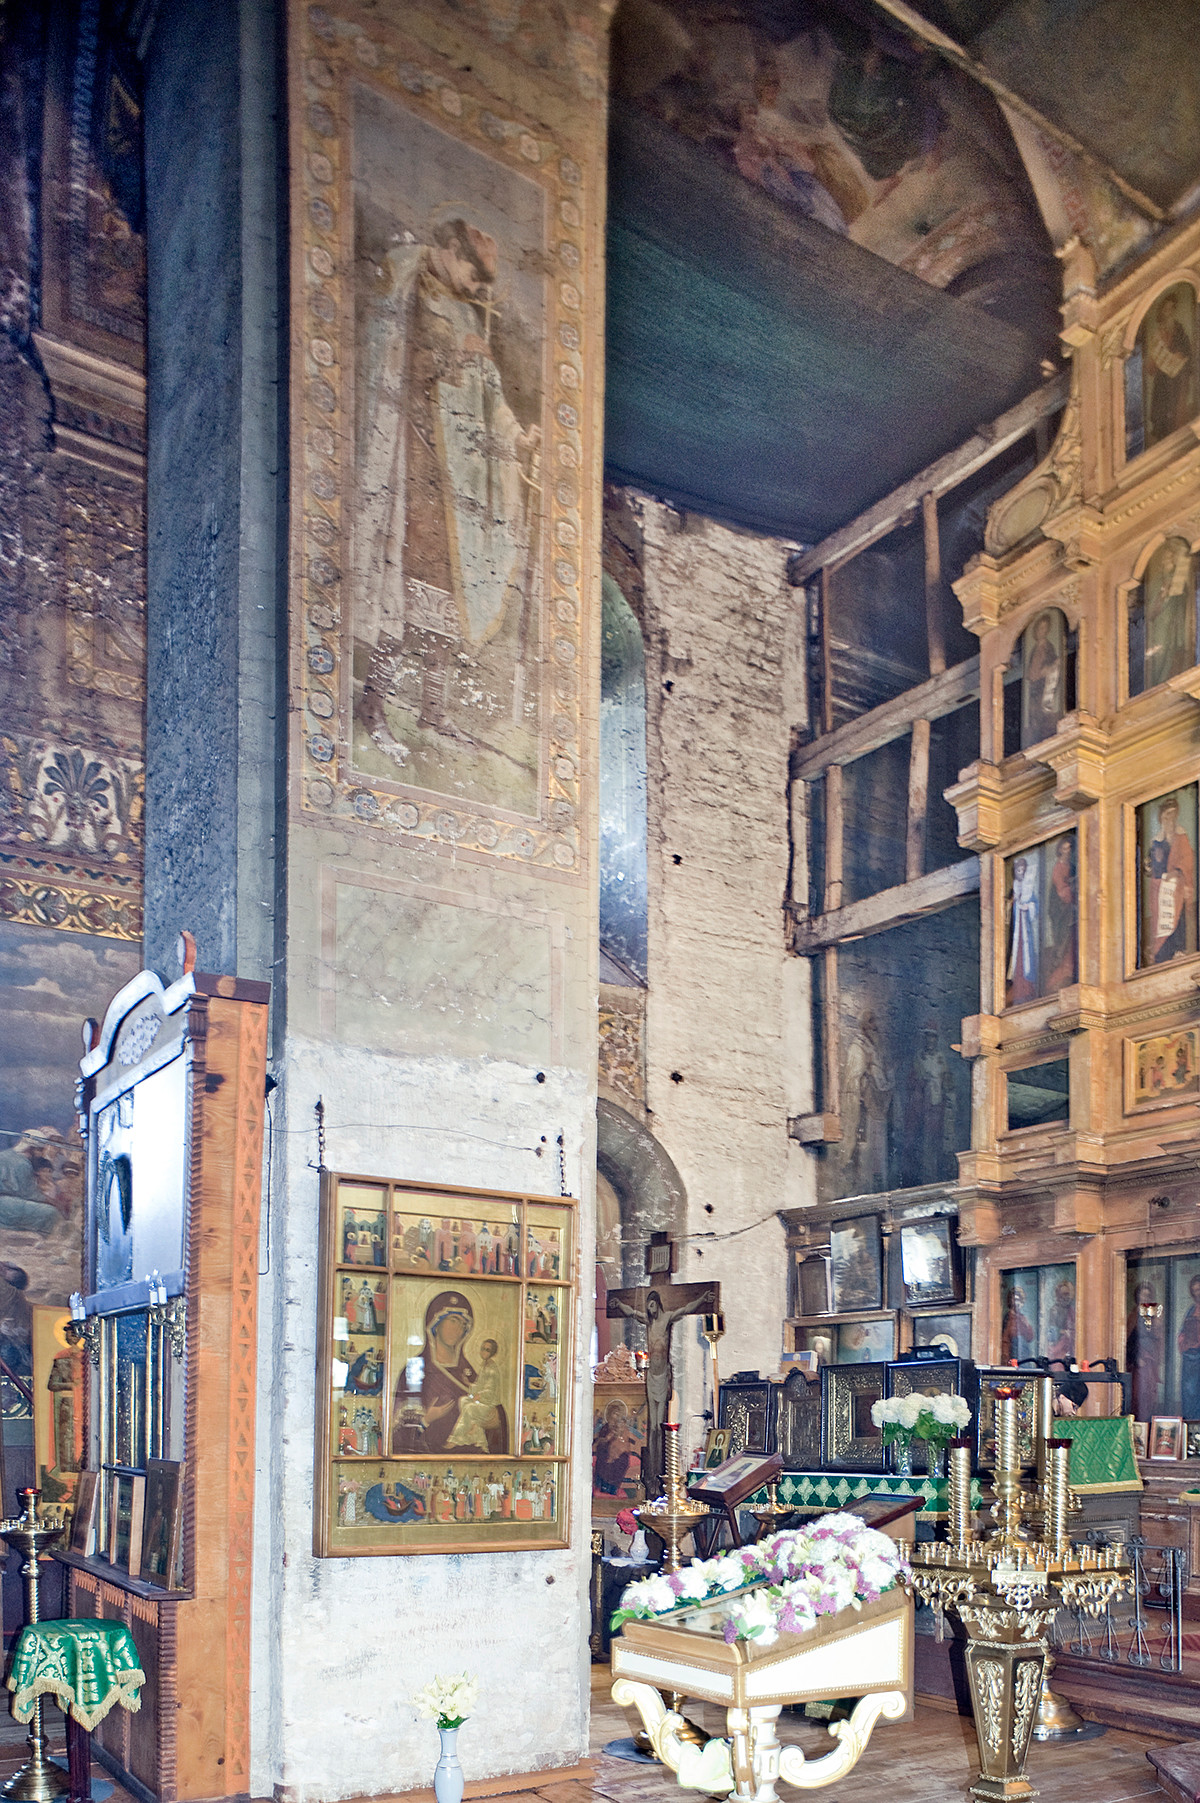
727, 1040
446, 212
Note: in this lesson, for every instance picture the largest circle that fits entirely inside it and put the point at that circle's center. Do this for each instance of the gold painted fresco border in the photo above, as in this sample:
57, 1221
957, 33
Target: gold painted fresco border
330, 48
31, 900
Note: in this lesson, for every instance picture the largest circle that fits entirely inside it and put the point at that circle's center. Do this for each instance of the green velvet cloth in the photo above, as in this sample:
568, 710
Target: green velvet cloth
1103, 1460
841, 1490
87, 1666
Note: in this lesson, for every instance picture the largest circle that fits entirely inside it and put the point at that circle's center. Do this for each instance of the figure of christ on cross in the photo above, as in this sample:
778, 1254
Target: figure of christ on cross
659, 1306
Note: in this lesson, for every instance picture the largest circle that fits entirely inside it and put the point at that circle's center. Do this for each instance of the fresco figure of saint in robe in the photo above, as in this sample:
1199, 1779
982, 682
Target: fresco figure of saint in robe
869, 1083
1017, 1332
1043, 689
1144, 1351
1170, 365
1170, 869
448, 489
1169, 591
1061, 952
1024, 931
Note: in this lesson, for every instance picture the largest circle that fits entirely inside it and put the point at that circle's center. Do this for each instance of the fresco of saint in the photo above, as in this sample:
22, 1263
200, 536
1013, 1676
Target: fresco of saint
1043, 687
449, 482
447, 548
1024, 930
1168, 876
1168, 338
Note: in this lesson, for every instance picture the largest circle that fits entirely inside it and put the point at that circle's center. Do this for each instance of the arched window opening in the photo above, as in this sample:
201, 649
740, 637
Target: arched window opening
1162, 372
622, 788
1163, 617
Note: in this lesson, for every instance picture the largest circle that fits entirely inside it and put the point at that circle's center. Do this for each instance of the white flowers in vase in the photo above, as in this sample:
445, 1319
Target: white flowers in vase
448, 1701
916, 1417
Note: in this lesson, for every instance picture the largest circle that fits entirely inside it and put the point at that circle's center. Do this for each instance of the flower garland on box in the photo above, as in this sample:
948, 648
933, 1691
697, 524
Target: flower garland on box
779, 1586
914, 1417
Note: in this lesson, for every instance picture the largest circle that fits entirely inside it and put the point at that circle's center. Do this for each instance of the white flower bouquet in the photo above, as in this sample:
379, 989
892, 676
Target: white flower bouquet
448, 1701
779, 1586
913, 1417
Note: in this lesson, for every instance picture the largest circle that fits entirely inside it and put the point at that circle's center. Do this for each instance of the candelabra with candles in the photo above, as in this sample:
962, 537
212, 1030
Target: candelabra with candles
1006, 1583
31, 1534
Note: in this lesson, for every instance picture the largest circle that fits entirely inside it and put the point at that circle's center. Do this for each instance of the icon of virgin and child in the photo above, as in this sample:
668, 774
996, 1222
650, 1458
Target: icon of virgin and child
460, 1399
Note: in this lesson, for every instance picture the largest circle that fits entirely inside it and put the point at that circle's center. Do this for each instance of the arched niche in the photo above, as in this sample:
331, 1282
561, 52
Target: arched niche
649, 1194
623, 892
1162, 616
1162, 367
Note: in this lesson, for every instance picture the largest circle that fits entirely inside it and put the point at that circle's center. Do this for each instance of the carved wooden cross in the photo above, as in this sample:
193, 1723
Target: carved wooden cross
658, 1304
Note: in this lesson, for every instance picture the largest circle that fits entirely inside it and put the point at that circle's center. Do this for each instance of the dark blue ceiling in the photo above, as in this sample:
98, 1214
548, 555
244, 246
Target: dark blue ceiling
766, 370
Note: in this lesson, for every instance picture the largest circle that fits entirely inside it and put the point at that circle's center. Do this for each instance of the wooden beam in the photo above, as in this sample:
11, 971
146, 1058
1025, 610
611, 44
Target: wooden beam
937, 479
928, 701
890, 908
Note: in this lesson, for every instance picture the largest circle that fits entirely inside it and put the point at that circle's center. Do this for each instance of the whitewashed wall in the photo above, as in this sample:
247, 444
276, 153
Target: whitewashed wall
728, 1006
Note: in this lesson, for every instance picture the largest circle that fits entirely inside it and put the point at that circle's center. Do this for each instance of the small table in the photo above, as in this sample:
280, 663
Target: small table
88, 1666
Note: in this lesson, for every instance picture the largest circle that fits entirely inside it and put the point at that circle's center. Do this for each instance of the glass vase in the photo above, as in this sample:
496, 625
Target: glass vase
448, 1773
935, 1458
902, 1455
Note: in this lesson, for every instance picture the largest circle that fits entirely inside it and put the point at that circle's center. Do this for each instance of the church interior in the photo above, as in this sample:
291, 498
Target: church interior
600, 703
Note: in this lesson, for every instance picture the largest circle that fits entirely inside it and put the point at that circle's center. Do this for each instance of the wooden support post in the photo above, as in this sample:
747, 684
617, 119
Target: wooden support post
826, 659
79, 1762
832, 1048
934, 623
798, 814
833, 838
918, 798
918, 761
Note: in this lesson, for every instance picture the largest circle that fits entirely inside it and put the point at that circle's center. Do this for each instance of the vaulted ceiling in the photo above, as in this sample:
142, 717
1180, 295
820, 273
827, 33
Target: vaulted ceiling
831, 237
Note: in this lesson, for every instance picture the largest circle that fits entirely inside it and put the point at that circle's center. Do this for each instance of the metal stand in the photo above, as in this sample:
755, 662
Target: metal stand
39, 1779
1007, 1591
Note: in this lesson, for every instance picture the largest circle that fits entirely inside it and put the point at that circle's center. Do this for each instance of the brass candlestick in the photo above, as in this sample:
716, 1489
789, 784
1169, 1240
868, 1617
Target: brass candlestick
1007, 1590
39, 1780
769, 1514
713, 1329
958, 1493
672, 1517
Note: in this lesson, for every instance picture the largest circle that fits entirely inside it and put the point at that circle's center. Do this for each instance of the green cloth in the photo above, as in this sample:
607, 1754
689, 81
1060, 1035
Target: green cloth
1103, 1459
87, 1666
841, 1490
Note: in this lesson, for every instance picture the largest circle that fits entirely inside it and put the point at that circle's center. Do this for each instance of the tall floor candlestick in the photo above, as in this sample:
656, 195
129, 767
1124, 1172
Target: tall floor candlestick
39, 1780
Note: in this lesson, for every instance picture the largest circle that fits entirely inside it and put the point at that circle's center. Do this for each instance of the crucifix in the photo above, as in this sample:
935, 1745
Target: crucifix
658, 1304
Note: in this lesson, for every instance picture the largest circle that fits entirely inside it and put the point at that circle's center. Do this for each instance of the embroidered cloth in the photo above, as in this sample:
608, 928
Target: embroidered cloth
87, 1666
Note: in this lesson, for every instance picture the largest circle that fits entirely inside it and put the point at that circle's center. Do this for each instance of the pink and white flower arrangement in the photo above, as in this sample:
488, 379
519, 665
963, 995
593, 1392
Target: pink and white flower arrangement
781, 1585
